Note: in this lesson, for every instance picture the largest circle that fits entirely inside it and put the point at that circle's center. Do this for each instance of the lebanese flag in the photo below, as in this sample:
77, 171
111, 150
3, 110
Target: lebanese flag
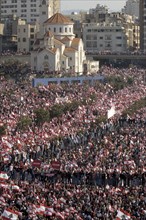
2, 201
3, 176
6, 158
49, 211
4, 185
62, 200
60, 215
44, 210
79, 218
40, 209
122, 213
15, 187
10, 214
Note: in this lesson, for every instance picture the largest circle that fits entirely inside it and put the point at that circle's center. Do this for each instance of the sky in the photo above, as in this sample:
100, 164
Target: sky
113, 5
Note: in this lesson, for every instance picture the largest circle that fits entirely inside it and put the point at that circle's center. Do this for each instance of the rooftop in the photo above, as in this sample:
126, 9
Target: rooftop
58, 19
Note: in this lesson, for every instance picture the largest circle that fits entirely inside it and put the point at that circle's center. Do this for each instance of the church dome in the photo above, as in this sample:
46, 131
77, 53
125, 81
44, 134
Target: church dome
58, 18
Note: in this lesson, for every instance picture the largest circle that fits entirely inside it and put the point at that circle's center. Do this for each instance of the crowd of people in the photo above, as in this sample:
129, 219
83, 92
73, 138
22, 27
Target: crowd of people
12, 53
72, 167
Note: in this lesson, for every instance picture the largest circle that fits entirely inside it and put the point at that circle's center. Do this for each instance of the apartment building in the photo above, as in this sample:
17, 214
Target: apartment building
104, 37
132, 8
26, 34
142, 19
110, 31
27, 10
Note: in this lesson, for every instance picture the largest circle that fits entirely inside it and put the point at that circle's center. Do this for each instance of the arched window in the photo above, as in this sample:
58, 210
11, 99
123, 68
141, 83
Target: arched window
46, 57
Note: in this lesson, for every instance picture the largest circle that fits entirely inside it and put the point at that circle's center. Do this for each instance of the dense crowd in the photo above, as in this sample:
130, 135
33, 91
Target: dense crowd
12, 53
71, 167
108, 52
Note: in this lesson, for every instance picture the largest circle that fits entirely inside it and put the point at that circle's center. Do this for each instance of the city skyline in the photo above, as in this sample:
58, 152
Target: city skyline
113, 5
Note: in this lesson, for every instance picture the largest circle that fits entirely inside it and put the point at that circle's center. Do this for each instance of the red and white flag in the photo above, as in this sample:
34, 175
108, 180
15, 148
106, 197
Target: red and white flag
49, 211
40, 209
44, 210
15, 187
60, 216
4, 185
122, 214
62, 200
3, 176
10, 214
2, 201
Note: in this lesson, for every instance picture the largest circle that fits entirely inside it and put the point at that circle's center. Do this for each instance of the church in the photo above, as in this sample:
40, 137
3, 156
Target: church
56, 48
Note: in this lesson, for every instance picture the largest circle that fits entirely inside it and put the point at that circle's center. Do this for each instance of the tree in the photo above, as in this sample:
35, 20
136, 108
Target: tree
41, 116
24, 122
2, 130
56, 111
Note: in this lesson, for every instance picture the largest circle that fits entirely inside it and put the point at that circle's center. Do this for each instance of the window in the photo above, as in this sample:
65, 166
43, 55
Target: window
54, 29
119, 37
60, 29
88, 37
94, 37
24, 39
65, 29
108, 44
94, 43
70, 58
31, 29
32, 36
46, 57
89, 44
108, 37
101, 38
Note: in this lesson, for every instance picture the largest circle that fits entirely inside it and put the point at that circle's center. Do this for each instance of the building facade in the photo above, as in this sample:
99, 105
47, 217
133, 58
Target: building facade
132, 8
142, 19
27, 10
104, 37
118, 33
26, 33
